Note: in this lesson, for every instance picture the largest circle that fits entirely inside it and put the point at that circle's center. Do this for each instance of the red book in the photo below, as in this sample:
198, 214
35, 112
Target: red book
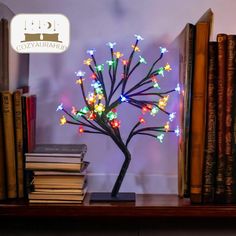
30, 122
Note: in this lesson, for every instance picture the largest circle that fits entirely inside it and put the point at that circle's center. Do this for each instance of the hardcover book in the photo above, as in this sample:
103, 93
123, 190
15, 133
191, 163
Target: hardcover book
185, 45
221, 104
211, 149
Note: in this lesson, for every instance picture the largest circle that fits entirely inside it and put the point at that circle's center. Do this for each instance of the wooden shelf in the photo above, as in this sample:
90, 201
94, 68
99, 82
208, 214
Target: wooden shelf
151, 206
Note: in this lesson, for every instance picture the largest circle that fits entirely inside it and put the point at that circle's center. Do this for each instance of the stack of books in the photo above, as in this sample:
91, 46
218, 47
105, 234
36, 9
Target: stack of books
57, 173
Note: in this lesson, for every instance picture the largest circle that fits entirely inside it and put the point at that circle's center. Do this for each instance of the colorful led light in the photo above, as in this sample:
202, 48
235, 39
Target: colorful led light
160, 71
141, 120
60, 107
123, 98
74, 111
154, 111
156, 85
110, 44
91, 51
177, 89
136, 48
125, 62
91, 115
115, 123
163, 50
111, 115
81, 129
118, 55
63, 120
88, 62
79, 81
80, 73
99, 108
91, 98
167, 67
138, 37
177, 131
167, 126
142, 60
160, 138
100, 67
110, 62
163, 102
172, 116
93, 76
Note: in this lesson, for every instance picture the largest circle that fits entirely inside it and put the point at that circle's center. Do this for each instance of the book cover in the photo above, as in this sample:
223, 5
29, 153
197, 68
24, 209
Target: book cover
198, 112
55, 166
230, 75
18, 125
185, 45
61, 148
9, 143
211, 149
221, 104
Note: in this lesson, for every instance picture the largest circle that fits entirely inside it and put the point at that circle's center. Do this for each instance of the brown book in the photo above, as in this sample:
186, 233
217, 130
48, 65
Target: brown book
2, 160
19, 142
9, 141
230, 75
185, 46
2, 151
211, 149
198, 113
221, 104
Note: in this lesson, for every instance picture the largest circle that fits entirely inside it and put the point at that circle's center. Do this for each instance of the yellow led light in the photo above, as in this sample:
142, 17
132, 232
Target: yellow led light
118, 55
136, 48
62, 120
79, 81
99, 108
167, 127
88, 62
167, 67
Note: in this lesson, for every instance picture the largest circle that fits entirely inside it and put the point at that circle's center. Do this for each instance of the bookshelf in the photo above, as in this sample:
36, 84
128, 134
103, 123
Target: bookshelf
146, 206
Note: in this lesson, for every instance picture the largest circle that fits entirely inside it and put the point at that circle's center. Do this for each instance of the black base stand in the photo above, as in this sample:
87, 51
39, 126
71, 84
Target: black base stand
106, 197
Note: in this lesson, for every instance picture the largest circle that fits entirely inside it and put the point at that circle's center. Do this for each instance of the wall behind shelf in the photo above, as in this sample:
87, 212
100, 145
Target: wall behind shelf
93, 23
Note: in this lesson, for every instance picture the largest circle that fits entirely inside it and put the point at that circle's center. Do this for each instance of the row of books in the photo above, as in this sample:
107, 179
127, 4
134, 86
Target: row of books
58, 173
17, 136
14, 73
208, 123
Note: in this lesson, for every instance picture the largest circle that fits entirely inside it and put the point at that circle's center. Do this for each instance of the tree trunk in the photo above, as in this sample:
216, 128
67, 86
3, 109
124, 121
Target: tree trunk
122, 173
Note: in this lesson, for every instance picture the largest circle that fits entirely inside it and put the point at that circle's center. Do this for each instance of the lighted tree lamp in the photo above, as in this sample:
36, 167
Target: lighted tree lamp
100, 116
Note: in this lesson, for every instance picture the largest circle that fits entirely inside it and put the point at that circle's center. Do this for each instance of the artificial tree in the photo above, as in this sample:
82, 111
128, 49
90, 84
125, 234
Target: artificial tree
99, 116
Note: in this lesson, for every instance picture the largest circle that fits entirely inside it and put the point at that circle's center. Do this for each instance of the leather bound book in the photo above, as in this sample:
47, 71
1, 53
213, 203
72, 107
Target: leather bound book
221, 104
210, 151
231, 73
198, 113
9, 141
19, 142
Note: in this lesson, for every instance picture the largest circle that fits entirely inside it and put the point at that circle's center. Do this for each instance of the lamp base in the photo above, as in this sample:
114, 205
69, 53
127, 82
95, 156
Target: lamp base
106, 197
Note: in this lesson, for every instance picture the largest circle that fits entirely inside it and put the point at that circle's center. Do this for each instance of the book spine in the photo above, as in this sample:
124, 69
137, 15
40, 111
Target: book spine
31, 122
9, 140
2, 160
231, 73
198, 113
19, 142
210, 153
187, 104
221, 103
